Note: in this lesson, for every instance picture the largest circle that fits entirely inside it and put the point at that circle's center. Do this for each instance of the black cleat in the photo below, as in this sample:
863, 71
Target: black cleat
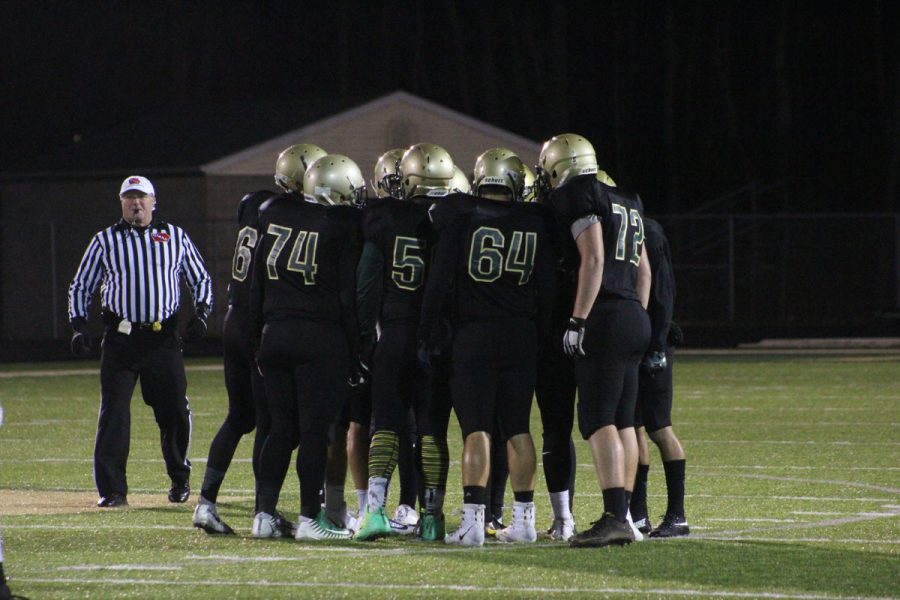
286, 527
671, 526
605, 532
179, 492
643, 525
113, 500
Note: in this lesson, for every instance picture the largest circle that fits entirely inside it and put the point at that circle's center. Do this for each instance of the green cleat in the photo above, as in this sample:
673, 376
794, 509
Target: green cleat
374, 525
433, 528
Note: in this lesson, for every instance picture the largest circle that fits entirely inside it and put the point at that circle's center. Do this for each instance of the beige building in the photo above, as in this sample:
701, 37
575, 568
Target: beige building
47, 215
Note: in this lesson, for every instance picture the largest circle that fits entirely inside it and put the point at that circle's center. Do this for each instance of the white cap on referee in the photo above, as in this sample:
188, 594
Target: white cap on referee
136, 182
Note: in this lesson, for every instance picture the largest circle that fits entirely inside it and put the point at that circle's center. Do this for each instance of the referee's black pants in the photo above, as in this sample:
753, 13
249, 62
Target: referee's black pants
155, 358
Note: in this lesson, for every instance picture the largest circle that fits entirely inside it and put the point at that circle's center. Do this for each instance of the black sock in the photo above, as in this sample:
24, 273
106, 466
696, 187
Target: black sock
212, 481
473, 494
638, 503
221, 451
524, 496
312, 455
614, 503
573, 468
675, 487
406, 470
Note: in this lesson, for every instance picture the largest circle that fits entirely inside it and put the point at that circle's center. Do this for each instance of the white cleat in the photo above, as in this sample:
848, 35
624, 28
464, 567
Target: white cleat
344, 519
265, 526
320, 528
562, 529
405, 520
206, 517
471, 528
638, 536
522, 529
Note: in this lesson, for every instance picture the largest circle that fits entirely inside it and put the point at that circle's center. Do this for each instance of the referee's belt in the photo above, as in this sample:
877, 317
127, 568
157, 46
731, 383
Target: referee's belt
120, 324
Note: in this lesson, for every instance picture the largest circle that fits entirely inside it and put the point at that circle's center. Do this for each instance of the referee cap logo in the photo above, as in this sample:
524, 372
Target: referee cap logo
136, 182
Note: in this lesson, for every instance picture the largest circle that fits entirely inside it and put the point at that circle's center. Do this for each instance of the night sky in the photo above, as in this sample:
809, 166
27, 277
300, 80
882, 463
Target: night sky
684, 101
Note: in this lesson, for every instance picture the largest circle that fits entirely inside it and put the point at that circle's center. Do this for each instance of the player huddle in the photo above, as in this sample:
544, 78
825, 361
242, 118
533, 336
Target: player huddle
356, 323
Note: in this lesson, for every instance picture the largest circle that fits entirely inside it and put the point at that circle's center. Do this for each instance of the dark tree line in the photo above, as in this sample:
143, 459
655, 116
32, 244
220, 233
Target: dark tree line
685, 101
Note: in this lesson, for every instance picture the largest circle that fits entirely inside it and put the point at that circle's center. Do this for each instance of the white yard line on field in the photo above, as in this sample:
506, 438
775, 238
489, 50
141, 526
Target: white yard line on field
91, 371
419, 587
866, 486
810, 525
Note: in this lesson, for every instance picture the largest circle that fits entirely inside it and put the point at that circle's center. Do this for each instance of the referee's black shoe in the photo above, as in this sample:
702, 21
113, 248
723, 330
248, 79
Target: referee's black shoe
179, 492
671, 526
112, 501
605, 532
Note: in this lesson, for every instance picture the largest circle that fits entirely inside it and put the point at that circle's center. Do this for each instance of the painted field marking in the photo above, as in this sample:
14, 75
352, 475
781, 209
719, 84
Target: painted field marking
866, 486
120, 568
446, 587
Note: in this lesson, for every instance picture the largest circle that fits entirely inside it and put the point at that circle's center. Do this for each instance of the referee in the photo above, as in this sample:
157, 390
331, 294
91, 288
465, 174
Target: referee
138, 263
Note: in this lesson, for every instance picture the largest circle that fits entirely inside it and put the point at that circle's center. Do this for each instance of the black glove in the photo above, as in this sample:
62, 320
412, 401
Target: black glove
654, 362
361, 373
196, 327
573, 338
81, 341
424, 350
676, 335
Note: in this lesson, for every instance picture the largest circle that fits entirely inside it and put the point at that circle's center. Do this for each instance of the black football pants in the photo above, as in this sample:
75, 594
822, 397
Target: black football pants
155, 358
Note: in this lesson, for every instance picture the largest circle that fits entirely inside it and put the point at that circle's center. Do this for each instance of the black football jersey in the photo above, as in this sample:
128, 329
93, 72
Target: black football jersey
497, 257
248, 218
662, 286
305, 261
622, 217
404, 237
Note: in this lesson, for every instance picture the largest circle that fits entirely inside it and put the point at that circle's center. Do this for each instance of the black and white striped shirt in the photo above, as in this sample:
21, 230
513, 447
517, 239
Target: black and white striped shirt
139, 269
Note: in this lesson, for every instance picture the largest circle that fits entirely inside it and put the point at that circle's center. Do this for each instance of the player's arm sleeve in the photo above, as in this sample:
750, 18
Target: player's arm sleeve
258, 289
195, 273
369, 288
546, 286
86, 280
440, 282
662, 295
347, 266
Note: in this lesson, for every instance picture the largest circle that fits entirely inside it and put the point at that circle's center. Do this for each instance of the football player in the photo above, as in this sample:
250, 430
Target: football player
246, 397
555, 393
654, 410
494, 260
608, 331
303, 307
399, 239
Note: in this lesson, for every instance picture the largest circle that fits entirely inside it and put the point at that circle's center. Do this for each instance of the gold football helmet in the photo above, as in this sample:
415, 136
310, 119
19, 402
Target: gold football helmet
334, 179
386, 178
426, 170
529, 190
292, 164
564, 156
460, 183
500, 167
603, 177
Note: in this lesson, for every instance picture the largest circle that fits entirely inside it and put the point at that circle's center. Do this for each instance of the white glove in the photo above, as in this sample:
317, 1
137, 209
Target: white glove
574, 337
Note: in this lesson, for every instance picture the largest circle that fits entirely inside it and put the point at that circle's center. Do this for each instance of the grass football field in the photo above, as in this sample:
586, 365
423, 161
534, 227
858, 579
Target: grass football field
793, 491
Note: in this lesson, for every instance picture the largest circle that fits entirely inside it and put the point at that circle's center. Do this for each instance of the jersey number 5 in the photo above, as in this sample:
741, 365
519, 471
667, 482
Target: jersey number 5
240, 265
638, 237
303, 255
409, 265
486, 254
